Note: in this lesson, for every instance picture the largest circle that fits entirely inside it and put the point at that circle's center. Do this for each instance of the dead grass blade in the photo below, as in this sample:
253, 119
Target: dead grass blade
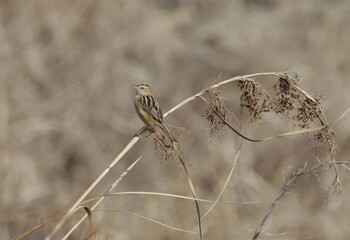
178, 196
193, 194
102, 197
146, 218
92, 186
30, 231
225, 185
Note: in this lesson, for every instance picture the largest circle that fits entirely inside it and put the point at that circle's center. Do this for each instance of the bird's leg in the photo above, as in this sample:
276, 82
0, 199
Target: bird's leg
139, 132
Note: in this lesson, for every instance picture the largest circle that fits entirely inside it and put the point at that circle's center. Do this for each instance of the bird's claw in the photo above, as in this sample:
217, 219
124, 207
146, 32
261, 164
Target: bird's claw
138, 135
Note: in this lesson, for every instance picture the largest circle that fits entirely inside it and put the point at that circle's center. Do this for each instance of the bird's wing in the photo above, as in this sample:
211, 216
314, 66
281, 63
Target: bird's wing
151, 105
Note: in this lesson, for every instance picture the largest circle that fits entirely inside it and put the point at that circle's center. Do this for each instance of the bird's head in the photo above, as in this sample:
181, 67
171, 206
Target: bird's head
143, 89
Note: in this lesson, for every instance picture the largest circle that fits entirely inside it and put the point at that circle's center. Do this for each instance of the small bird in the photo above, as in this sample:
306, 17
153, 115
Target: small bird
147, 107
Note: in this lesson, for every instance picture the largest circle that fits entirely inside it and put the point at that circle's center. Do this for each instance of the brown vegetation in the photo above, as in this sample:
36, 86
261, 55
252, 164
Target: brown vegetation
66, 105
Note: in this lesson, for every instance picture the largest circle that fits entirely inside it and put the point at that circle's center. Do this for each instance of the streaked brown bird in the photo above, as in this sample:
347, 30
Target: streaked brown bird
148, 109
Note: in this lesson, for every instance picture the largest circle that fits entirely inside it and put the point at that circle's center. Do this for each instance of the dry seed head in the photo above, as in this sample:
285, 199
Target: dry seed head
163, 147
286, 95
217, 103
307, 113
325, 137
290, 98
254, 98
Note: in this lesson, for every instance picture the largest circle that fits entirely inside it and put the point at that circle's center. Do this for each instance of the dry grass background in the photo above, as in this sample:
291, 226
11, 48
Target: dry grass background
66, 102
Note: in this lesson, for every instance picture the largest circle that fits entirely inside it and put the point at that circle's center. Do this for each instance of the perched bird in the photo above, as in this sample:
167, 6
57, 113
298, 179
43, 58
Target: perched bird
147, 107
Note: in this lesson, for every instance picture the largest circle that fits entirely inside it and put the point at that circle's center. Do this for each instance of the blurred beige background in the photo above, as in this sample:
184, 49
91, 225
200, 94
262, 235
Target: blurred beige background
66, 101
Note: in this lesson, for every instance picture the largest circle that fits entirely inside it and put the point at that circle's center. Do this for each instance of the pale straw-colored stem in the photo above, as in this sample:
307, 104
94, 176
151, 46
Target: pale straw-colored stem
101, 198
92, 186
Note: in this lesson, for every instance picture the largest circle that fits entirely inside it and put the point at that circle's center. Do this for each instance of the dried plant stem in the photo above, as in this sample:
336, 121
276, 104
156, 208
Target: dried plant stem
92, 186
30, 231
193, 193
192, 98
174, 196
102, 198
146, 218
228, 124
225, 185
286, 186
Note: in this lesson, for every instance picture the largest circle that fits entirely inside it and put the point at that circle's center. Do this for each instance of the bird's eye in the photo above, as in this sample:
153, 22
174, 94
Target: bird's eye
142, 88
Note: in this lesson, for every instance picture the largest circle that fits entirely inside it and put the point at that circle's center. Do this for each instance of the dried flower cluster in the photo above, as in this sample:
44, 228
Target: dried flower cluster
287, 99
326, 137
163, 146
286, 94
254, 98
217, 107
307, 113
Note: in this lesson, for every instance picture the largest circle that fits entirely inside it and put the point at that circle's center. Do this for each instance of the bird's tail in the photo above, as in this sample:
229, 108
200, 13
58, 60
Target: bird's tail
168, 133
